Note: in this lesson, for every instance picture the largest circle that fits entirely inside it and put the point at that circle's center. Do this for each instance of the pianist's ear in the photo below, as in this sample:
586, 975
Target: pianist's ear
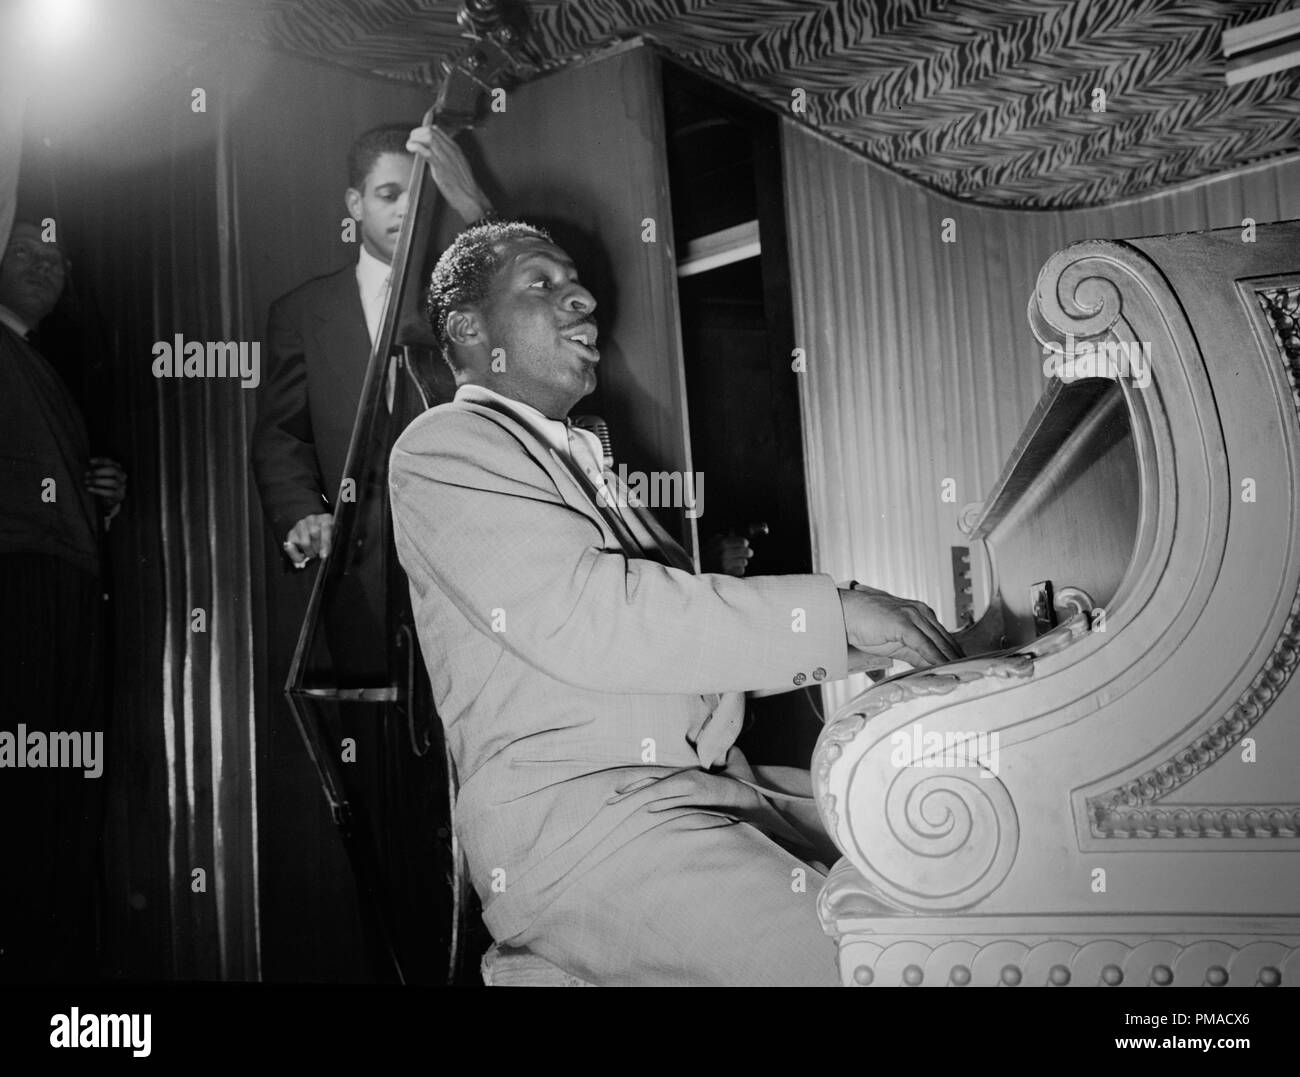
465, 327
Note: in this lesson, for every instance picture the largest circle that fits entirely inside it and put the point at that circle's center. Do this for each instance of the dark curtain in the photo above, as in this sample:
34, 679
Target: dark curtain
220, 858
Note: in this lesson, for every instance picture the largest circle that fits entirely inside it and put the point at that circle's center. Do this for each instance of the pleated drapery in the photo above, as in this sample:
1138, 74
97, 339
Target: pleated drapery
921, 368
157, 250
186, 220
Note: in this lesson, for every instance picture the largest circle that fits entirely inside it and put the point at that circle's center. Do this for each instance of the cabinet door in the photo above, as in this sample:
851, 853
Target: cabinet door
582, 152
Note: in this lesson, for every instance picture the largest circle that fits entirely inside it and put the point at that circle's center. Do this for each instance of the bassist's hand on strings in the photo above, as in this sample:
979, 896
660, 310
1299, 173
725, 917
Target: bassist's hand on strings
451, 172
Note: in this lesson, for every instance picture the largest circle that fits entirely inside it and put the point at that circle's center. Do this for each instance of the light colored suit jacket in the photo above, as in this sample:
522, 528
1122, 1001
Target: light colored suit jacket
579, 686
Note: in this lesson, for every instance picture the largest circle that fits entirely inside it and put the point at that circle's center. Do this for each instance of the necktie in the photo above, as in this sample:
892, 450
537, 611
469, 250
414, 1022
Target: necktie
604, 493
581, 453
374, 309
390, 386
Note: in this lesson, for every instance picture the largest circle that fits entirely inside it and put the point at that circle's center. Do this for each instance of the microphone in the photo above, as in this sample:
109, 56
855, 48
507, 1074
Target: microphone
596, 425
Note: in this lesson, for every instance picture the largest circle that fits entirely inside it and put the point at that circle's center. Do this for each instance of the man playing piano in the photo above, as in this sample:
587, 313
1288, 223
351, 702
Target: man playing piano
585, 675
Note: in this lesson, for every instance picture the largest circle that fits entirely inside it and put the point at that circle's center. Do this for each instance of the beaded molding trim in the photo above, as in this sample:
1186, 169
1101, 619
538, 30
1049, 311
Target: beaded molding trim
1102, 962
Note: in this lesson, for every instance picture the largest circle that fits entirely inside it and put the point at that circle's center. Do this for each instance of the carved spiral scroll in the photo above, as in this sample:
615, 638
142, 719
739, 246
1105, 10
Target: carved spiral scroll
948, 839
926, 833
1071, 295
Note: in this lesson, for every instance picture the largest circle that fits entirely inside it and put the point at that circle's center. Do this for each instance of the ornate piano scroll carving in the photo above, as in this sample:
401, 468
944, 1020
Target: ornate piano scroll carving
1072, 296
1281, 307
1131, 810
943, 830
1092, 436
950, 832
1105, 729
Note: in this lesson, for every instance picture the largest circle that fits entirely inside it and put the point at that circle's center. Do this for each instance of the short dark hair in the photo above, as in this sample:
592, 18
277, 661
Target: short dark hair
370, 146
464, 273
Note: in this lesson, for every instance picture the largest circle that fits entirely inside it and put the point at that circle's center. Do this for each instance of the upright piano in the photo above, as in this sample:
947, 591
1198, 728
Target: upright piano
1106, 790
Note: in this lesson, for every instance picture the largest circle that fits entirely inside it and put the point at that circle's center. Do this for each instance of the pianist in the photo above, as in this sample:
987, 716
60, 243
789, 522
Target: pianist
585, 675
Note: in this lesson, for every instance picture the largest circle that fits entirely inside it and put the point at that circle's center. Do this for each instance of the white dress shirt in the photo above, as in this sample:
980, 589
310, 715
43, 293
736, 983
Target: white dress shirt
573, 443
372, 281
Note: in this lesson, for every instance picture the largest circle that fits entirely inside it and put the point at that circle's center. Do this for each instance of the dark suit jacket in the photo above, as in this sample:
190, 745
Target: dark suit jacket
42, 440
318, 348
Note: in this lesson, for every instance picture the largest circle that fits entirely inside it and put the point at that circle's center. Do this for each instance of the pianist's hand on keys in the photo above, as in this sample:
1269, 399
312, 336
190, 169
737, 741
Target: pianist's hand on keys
886, 626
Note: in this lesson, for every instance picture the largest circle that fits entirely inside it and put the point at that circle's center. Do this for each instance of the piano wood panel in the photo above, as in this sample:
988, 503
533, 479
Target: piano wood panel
1064, 511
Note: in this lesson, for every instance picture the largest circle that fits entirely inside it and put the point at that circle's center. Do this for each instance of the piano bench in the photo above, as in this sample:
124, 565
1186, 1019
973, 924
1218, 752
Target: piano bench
506, 966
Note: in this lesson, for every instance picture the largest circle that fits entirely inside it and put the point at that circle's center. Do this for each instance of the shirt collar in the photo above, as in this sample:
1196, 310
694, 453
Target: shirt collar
552, 431
372, 274
14, 322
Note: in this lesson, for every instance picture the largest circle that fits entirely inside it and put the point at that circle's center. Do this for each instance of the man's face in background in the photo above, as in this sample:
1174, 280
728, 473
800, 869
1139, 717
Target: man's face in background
31, 274
380, 205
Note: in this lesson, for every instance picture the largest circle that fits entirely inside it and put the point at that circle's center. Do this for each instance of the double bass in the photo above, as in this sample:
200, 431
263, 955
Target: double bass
417, 906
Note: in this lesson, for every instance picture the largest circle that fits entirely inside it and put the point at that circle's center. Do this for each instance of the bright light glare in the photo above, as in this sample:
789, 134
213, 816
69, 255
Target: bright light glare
56, 24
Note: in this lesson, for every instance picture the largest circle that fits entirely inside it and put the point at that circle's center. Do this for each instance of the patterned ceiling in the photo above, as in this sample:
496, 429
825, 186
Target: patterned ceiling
987, 100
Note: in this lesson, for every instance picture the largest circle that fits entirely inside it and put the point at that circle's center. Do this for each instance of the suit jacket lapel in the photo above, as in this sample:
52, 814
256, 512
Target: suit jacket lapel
341, 333
626, 537
636, 534
652, 536
560, 470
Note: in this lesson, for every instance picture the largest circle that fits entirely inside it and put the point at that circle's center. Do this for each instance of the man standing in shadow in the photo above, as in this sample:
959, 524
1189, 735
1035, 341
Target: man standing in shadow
53, 498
